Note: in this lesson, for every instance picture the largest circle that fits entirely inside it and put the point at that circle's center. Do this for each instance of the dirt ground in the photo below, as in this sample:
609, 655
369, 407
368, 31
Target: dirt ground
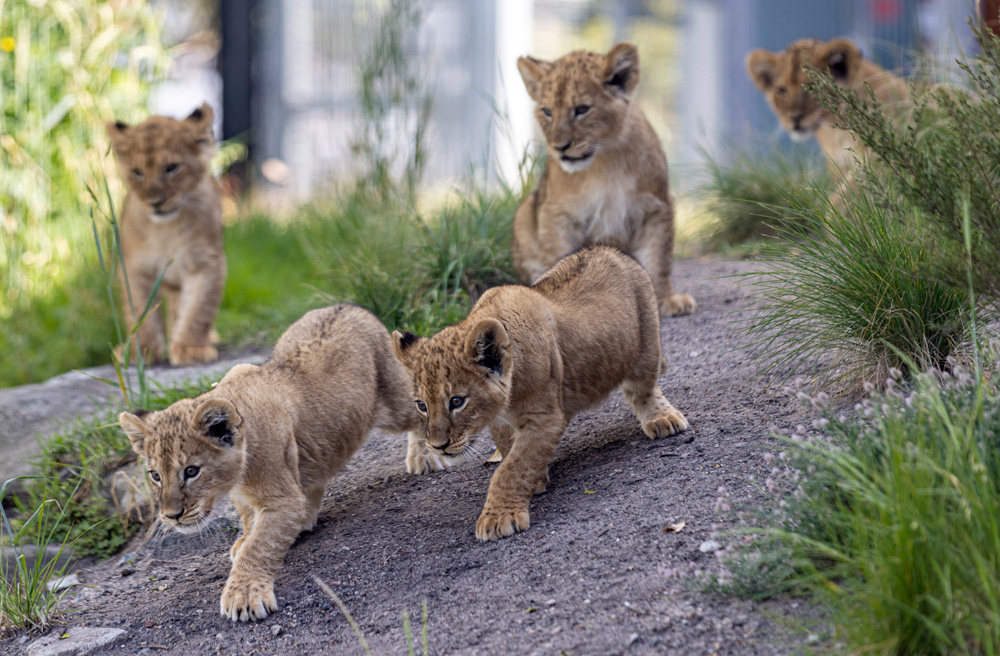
586, 578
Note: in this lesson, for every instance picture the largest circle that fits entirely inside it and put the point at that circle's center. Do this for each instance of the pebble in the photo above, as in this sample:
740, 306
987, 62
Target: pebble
276, 630
632, 639
550, 602
709, 546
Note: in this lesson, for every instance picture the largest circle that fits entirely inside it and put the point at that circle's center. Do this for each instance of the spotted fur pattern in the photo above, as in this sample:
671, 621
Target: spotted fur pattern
525, 361
171, 221
271, 437
606, 176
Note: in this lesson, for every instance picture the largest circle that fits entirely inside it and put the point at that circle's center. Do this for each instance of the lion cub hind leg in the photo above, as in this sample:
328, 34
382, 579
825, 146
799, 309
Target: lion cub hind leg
642, 390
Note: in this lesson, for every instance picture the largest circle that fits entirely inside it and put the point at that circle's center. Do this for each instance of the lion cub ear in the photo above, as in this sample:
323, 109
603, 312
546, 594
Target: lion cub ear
118, 133
532, 71
135, 427
841, 57
488, 346
217, 420
201, 120
401, 345
761, 68
621, 69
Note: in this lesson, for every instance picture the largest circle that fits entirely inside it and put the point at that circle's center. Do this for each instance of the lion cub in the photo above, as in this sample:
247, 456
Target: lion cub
270, 437
526, 360
610, 184
172, 220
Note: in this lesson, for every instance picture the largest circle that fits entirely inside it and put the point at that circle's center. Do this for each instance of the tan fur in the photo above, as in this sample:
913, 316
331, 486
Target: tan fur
172, 219
526, 360
606, 176
780, 76
271, 437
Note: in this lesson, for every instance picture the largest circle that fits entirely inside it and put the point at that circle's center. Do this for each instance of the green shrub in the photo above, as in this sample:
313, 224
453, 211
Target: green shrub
894, 522
747, 200
945, 153
852, 298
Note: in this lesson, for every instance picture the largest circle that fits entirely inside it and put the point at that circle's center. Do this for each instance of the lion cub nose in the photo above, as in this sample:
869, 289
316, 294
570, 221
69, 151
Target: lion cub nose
564, 147
176, 516
442, 447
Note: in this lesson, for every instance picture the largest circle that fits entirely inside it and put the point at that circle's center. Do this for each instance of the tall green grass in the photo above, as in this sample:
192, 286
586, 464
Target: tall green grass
852, 298
894, 523
747, 199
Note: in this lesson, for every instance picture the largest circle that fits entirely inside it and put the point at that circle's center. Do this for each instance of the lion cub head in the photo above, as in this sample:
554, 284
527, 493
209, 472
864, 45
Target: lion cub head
193, 456
162, 159
582, 101
461, 381
785, 83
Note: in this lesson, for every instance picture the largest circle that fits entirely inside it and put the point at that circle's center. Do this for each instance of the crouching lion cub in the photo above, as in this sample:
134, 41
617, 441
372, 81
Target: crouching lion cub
270, 437
526, 360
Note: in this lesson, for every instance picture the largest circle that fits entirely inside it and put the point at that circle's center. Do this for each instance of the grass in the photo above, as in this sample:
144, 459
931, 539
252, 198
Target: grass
26, 602
895, 520
748, 199
407, 631
856, 286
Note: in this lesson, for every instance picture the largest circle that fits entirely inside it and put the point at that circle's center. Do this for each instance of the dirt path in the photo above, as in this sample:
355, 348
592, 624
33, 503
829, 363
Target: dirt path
586, 578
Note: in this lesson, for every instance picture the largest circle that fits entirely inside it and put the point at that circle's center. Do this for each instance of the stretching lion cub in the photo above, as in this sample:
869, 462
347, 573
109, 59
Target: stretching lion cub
611, 183
172, 219
271, 437
526, 360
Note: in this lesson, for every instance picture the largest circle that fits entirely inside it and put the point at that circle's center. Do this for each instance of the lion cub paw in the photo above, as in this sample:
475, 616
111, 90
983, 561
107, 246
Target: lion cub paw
499, 523
151, 353
677, 305
671, 423
183, 354
245, 599
420, 462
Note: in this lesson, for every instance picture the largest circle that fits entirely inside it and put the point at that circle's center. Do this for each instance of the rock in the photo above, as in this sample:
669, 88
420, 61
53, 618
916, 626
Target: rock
62, 583
709, 546
632, 639
276, 630
79, 641
63, 557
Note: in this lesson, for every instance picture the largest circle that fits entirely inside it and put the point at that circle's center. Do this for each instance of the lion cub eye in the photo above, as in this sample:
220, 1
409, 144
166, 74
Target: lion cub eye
547, 112
171, 168
580, 110
155, 476
456, 402
422, 407
781, 91
137, 173
191, 472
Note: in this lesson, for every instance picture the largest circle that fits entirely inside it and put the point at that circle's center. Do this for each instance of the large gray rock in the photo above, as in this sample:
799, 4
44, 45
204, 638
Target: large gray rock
43, 409
76, 641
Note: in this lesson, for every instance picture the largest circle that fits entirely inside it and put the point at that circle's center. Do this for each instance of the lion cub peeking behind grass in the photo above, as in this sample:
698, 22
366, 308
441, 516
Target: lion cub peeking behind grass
271, 437
525, 361
605, 178
172, 220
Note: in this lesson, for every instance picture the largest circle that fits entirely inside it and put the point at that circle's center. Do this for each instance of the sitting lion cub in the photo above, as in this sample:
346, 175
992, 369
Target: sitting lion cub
526, 360
172, 219
606, 176
270, 437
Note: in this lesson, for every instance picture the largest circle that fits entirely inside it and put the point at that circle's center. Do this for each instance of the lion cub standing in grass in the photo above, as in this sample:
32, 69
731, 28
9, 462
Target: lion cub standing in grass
606, 175
172, 220
270, 437
525, 361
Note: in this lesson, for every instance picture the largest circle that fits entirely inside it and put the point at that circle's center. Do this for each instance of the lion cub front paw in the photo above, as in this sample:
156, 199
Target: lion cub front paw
496, 523
245, 598
677, 305
671, 423
183, 354
419, 462
151, 353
